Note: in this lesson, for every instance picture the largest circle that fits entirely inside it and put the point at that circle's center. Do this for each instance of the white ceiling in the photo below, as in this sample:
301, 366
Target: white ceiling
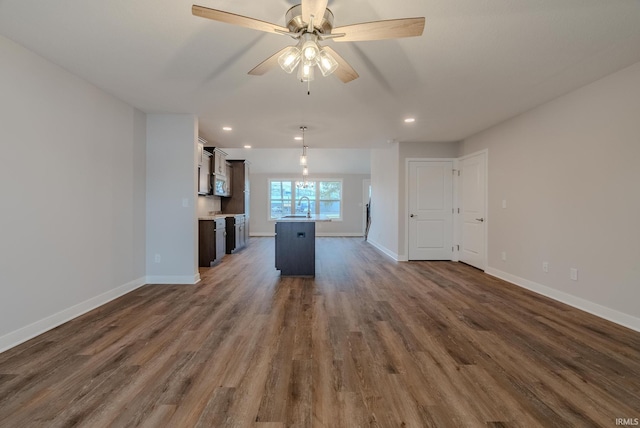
478, 63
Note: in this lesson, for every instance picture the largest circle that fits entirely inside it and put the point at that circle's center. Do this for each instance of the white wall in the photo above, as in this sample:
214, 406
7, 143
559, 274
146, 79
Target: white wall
385, 189
569, 173
72, 180
321, 161
172, 180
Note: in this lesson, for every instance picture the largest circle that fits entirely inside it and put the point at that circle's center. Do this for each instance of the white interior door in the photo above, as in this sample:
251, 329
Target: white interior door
430, 210
473, 200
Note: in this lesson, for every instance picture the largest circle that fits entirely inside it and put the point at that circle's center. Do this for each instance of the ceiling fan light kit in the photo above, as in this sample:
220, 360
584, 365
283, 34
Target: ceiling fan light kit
308, 54
309, 22
306, 71
326, 63
290, 59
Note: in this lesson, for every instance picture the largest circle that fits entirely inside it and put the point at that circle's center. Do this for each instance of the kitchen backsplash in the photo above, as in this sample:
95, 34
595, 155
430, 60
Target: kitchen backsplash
206, 204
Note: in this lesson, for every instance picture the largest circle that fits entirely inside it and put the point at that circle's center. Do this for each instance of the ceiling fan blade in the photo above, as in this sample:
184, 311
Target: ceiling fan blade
315, 8
232, 18
344, 72
379, 30
267, 64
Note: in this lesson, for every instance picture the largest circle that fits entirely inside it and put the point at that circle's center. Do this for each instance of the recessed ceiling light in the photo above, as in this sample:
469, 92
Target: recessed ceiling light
227, 128
297, 138
247, 146
409, 120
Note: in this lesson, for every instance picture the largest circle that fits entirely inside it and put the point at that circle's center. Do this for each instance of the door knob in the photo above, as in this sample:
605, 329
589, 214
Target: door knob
411, 216
480, 219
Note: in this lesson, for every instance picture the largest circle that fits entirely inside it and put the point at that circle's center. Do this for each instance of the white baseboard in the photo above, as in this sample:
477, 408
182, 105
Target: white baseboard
339, 235
322, 234
32, 330
612, 315
173, 279
384, 250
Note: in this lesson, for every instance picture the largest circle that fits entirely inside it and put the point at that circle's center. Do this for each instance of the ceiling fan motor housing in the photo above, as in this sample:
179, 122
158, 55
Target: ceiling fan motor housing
295, 24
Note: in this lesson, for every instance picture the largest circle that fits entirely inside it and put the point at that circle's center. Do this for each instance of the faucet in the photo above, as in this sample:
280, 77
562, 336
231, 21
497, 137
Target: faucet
308, 205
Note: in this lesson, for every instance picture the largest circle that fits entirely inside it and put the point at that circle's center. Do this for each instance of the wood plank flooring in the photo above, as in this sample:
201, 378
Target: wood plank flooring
368, 342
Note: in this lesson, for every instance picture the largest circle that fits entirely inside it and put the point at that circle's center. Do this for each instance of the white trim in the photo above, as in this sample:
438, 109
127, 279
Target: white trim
456, 212
571, 300
174, 279
384, 250
323, 234
366, 187
32, 330
487, 220
340, 234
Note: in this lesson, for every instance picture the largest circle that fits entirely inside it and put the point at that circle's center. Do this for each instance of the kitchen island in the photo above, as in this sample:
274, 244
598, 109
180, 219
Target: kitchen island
296, 244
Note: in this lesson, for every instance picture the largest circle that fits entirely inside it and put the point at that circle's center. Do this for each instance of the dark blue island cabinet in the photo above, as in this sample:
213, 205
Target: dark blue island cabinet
296, 248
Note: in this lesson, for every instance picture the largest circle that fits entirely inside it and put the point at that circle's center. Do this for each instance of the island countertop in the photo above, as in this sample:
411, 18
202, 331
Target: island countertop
217, 216
302, 217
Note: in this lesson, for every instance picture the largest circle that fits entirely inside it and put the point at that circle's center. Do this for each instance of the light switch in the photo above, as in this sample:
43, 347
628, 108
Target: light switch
573, 274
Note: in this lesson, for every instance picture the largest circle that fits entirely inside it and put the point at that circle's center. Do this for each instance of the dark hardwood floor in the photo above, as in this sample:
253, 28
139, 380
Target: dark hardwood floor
368, 342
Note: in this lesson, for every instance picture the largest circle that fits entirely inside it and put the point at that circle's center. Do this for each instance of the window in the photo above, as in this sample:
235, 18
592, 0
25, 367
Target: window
288, 197
330, 198
280, 198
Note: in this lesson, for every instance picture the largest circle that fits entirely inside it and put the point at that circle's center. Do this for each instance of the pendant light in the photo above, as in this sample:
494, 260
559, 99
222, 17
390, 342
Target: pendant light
303, 156
304, 183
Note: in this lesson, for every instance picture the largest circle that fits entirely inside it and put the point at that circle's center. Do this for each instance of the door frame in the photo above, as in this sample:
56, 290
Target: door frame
454, 254
487, 220
366, 186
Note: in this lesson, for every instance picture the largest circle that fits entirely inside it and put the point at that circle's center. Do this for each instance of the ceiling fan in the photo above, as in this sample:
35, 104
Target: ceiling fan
310, 22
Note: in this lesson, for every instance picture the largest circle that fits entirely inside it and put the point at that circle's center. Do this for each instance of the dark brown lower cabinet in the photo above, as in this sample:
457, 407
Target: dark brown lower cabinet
236, 236
221, 238
211, 241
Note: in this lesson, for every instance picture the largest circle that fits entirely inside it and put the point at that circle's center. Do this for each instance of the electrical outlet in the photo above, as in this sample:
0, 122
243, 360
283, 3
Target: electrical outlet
573, 274
504, 203
545, 266
157, 258
185, 202
504, 256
